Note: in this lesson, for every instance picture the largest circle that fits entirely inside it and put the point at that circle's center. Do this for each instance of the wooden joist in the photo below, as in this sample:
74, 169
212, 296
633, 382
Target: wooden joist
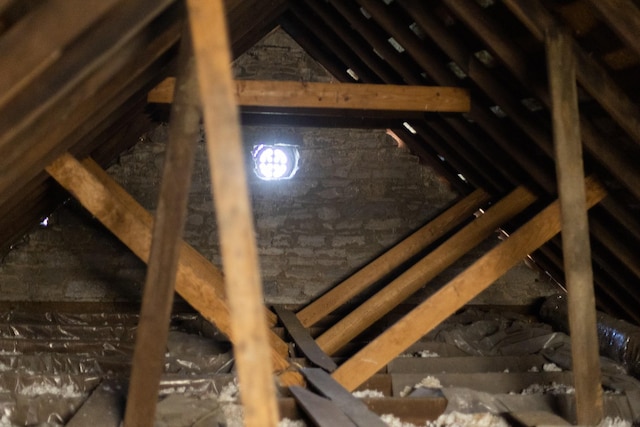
198, 282
575, 227
348, 96
479, 276
233, 211
392, 259
505, 49
27, 54
424, 270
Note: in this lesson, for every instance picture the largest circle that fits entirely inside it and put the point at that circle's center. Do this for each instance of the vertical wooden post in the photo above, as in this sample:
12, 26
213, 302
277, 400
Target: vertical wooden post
155, 313
233, 210
575, 227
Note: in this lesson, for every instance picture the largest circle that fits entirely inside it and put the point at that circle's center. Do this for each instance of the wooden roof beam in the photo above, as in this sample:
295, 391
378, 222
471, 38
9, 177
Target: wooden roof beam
98, 91
623, 18
436, 68
462, 289
349, 96
423, 271
591, 75
620, 166
392, 259
198, 282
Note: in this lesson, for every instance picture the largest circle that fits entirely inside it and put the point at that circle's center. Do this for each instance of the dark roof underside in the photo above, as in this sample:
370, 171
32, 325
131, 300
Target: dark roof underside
84, 90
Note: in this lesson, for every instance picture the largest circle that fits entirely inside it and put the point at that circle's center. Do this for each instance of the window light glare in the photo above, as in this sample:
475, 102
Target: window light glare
409, 128
273, 162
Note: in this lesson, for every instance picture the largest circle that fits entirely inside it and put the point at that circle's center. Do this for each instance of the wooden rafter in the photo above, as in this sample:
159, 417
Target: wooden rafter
591, 75
457, 292
198, 282
349, 96
424, 270
392, 259
619, 165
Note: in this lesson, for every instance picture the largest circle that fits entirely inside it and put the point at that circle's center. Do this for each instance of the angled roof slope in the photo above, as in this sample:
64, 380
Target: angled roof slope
84, 89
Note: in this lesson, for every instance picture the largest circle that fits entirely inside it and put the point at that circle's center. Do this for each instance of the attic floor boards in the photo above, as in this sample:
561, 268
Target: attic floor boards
69, 363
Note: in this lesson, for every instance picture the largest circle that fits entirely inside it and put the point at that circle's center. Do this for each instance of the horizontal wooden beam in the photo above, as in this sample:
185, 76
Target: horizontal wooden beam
464, 287
350, 96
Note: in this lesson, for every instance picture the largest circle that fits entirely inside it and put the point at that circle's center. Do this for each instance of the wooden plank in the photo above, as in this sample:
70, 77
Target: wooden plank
192, 267
538, 418
27, 53
623, 17
456, 293
355, 409
233, 211
69, 118
340, 48
304, 341
620, 166
591, 75
415, 410
159, 288
128, 221
424, 270
465, 364
392, 259
103, 408
321, 411
349, 96
576, 249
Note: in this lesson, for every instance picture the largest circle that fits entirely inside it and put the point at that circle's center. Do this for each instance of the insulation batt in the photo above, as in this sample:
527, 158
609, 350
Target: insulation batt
619, 340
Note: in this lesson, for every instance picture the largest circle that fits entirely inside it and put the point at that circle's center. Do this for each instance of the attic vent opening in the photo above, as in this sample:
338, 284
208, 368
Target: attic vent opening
397, 46
409, 128
353, 74
275, 161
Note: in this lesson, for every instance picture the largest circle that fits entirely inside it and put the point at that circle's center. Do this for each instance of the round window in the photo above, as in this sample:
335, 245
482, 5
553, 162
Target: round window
272, 162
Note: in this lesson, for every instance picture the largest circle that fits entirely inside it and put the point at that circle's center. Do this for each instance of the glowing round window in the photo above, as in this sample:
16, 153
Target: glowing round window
277, 161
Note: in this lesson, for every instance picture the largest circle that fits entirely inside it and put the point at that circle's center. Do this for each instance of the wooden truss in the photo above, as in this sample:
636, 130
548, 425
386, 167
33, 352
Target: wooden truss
234, 302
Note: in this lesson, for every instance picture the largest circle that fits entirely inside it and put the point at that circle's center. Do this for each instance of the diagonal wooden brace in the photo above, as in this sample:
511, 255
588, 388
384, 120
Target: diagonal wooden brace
462, 289
198, 282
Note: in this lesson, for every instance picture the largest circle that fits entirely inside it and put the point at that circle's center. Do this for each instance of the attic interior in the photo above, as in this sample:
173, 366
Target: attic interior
413, 254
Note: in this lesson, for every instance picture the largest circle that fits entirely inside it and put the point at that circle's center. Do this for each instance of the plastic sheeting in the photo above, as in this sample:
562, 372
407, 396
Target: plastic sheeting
51, 362
618, 339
